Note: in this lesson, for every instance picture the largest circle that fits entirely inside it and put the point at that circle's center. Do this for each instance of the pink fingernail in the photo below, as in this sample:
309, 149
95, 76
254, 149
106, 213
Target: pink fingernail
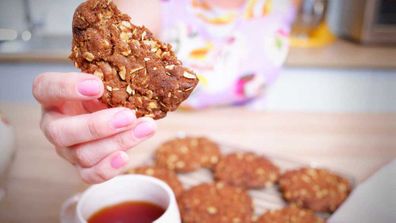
144, 129
120, 160
123, 119
89, 87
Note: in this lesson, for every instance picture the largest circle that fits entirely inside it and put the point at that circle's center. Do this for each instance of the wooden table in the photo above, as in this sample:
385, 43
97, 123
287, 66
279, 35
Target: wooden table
357, 144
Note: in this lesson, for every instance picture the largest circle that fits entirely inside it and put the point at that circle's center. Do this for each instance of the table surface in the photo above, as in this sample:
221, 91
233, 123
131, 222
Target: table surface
357, 144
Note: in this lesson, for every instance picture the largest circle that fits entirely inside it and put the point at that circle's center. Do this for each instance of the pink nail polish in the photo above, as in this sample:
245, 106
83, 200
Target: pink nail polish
144, 129
89, 87
123, 119
120, 160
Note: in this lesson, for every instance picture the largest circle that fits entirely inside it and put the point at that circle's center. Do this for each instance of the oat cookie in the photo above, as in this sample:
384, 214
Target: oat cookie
246, 170
188, 154
290, 214
138, 71
163, 174
215, 203
315, 189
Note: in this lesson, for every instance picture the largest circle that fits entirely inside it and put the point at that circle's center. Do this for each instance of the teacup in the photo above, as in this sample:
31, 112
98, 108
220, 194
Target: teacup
126, 188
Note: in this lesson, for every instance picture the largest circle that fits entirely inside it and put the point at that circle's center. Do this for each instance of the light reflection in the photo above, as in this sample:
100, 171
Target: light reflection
26, 35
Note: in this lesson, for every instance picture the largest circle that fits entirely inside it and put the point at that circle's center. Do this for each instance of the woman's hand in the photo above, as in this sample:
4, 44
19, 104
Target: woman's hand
82, 130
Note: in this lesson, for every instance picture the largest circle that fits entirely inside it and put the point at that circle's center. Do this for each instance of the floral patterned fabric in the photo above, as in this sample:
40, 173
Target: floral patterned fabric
236, 53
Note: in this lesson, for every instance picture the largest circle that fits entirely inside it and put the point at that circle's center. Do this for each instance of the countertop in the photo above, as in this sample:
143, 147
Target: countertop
343, 54
339, 54
357, 144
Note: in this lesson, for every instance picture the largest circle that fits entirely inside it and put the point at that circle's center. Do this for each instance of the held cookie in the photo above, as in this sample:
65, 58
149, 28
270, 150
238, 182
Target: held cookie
138, 71
187, 154
290, 215
215, 203
315, 189
163, 174
246, 170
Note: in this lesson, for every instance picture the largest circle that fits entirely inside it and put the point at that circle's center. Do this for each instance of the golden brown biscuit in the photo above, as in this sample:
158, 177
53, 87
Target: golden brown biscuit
290, 214
138, 71
246, 170
315, 189
163, 174
215, 203
187, 154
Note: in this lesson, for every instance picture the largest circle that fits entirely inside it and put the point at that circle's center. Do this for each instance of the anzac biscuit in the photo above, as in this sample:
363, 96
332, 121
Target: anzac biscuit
315, 189
290, 214
215, 203
187, 154
246, 170
163, 174
138, 71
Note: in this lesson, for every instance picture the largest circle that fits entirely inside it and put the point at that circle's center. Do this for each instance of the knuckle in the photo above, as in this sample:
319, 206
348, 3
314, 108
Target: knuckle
123, 142
63, 89
65, 154
58, 91
94, 129
85, 178
45, 87
103, 174
53, 134
82, 157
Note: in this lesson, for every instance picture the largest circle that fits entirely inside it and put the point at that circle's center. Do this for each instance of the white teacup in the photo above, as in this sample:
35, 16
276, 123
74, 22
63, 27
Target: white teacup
124, 188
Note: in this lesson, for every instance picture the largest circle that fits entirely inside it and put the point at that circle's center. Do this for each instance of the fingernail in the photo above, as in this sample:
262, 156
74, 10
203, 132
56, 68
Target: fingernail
123, 119
144, 129
89, 87
120, 160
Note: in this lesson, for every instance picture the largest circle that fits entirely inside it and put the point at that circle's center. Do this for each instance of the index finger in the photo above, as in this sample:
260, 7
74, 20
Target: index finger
52, 88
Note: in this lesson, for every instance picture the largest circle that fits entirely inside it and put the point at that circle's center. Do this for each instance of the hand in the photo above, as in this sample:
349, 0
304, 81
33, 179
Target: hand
83, 131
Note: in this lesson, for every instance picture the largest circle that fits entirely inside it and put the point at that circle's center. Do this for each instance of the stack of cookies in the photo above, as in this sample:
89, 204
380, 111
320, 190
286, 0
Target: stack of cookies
226, 199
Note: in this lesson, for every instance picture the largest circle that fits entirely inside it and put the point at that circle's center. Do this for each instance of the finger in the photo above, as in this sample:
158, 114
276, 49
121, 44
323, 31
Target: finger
93, 106
91, 153
111, 166
71, 130
52, 88
66, 154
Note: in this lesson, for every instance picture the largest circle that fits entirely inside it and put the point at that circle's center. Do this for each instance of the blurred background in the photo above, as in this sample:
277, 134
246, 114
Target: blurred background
342, 55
